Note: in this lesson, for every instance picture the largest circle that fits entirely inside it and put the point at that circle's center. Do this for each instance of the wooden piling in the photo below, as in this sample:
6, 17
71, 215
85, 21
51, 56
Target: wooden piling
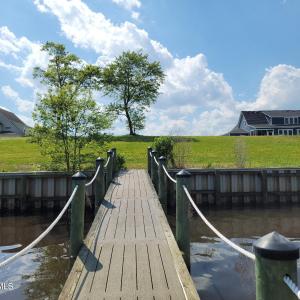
99, 183
162, 184
109, 175
149, 150
77, 214
182, 215
154, 172
275, 257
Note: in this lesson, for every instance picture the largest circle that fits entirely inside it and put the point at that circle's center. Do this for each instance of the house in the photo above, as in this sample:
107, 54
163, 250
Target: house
11, 124
268, 122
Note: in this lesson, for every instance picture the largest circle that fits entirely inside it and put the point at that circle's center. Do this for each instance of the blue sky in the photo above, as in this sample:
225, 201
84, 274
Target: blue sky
219, 56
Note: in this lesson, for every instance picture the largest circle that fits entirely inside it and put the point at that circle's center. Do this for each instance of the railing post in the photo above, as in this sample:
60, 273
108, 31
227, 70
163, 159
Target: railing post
162, 184
275, 257
154, 173
182, 211
77, 213
99, 183
109, 168
149, 150
114, 150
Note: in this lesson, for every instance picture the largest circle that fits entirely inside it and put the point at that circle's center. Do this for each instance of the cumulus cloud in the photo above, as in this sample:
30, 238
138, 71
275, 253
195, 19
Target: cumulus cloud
279, 89
25, 54
22, 105
128, 4
189, 80
194, 99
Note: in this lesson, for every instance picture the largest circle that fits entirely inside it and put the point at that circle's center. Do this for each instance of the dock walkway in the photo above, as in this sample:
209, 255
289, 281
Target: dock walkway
130, 251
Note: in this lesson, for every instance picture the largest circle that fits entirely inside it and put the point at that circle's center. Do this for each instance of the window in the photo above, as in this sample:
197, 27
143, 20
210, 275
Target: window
291, 121
285, 131
286, 121
295, 120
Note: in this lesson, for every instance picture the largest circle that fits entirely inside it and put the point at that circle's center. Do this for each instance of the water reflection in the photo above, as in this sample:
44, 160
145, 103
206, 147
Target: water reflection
219, 271
41, 272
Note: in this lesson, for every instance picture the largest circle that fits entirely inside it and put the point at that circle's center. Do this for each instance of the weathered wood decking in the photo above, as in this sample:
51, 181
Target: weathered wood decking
130, 252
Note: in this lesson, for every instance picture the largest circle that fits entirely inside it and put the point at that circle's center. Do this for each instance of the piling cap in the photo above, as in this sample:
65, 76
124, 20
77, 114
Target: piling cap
277, 247
183, 173
110, 152
100, 159
154, 151
162, 158
79, 176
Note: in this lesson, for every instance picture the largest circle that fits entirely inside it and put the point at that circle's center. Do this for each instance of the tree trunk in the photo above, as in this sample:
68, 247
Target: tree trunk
131, 132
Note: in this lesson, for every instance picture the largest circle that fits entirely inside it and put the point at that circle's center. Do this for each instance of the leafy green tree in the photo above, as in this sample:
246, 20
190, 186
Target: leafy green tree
133, 82
138, 120
69, 123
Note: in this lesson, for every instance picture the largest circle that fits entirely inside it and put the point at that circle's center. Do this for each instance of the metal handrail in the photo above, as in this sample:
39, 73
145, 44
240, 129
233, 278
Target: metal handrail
93, 179
218, 233
41, 236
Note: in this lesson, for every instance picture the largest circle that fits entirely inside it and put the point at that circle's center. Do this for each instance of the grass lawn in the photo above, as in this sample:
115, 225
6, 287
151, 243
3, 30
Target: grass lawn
16, 154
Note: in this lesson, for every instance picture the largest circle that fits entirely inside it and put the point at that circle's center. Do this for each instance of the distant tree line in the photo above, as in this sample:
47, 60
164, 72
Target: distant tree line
69, 124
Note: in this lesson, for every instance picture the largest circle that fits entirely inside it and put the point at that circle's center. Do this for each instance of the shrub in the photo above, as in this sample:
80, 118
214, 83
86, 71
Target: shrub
120, 162
164, 145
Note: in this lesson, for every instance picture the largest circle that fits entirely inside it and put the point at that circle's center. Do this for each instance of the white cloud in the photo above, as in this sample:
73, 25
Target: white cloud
128, 4
135, 15
22, 105
195, 99
27, 120
189, 80
279, 89
25, 55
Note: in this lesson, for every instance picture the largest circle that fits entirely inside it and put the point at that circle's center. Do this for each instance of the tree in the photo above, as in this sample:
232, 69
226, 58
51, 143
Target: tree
69, 123
137, 119
134, 84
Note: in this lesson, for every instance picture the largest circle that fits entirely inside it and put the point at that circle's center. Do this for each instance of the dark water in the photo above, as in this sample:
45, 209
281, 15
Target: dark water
42, 272
219, 271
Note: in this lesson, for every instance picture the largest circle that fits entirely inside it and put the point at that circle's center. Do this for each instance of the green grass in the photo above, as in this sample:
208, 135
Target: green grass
16, 154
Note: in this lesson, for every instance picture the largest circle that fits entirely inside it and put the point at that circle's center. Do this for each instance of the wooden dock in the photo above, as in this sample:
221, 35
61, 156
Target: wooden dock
130, 251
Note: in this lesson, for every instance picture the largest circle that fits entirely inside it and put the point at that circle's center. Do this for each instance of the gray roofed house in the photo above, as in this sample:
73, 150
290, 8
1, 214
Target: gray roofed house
10, 124
268, 122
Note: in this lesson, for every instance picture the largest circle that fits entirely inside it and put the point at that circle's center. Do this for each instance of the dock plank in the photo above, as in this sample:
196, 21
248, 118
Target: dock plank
128, 251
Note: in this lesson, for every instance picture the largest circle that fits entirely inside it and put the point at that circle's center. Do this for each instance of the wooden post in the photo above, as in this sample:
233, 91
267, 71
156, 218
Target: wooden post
114, 165
149, 150
77, 213
162, 184
182, 211
109, 169
276, 256
154, 172
99, 183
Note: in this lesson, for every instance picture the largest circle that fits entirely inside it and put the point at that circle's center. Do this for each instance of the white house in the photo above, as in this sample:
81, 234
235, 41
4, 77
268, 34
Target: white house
11, 124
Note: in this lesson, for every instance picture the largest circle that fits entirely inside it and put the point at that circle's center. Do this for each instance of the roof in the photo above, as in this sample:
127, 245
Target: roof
275, 126
255, 117
11, 116
282, 113
237, 130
